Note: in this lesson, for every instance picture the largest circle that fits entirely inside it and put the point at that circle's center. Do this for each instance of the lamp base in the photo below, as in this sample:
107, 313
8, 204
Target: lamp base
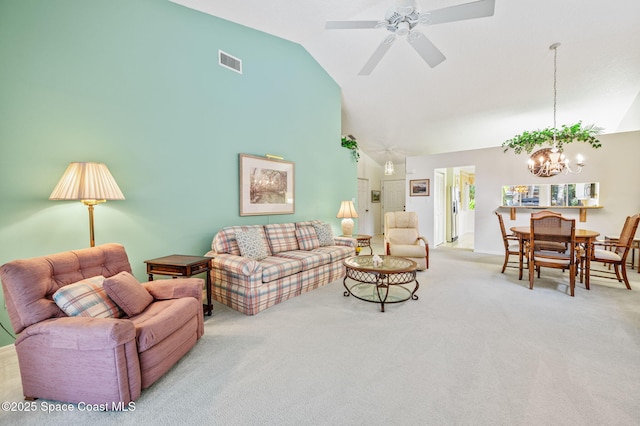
347, 227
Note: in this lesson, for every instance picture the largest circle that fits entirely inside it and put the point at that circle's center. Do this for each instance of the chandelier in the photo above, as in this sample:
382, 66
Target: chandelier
549, 162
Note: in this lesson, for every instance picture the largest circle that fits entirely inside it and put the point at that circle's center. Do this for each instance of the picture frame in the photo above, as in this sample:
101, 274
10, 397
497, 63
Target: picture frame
419, 188
375, 196
266, 186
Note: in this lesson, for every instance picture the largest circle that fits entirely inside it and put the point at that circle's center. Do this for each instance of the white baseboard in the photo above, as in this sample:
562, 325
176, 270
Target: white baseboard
7, 348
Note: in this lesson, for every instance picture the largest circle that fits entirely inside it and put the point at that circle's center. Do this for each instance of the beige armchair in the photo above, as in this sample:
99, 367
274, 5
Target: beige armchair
402, 238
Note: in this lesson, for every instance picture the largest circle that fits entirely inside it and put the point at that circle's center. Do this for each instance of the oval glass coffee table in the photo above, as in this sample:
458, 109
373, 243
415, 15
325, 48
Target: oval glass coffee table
382, 283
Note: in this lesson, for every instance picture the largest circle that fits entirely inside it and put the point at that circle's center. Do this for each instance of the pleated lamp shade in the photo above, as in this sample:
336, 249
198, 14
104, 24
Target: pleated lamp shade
87, 181
346, 212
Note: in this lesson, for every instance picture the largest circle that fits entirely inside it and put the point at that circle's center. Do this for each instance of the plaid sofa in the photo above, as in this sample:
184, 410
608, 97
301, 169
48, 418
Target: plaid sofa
294, 264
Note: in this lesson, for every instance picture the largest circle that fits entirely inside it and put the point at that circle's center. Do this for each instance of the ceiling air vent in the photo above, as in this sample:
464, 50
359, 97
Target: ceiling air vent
230, 62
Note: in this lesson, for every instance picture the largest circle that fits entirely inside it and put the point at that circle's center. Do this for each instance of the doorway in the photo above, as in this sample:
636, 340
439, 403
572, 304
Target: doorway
454, 207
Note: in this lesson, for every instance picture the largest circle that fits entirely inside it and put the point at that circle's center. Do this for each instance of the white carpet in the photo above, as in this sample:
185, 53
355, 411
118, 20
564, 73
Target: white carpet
477, 348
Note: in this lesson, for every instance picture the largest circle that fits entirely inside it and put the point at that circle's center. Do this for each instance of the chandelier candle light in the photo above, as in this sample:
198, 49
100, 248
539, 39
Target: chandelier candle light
547, 162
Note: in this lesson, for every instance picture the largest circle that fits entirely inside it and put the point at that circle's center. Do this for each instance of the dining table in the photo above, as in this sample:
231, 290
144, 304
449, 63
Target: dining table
584, 237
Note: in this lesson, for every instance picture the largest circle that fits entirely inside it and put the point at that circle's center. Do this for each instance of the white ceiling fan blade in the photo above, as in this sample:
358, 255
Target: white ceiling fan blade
377, 55
350, 25
425, 48
461, 12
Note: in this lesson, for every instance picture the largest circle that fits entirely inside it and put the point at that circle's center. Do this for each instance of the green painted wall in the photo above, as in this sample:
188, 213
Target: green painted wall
136, 85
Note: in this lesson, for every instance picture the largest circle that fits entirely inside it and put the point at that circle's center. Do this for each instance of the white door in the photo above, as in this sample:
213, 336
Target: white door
393, 197
439, 208
365, 222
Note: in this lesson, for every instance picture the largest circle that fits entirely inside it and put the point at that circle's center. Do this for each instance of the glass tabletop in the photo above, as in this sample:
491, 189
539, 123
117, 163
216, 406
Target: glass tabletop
389, 264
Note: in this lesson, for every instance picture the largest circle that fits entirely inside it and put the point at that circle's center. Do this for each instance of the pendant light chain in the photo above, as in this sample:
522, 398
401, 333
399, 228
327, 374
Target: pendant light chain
555, 88
555, 83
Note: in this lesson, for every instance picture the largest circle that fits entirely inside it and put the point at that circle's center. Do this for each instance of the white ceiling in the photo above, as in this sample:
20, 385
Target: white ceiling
497, 79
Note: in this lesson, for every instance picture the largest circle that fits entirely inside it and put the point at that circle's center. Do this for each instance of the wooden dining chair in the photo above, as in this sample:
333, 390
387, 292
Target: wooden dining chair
545, 213
553, 229
549, 245
511, 246
611, 253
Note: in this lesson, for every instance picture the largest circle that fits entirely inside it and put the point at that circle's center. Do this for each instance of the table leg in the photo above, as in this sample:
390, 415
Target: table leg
414, 296
587, 263
208, 284
150, 277
521, 257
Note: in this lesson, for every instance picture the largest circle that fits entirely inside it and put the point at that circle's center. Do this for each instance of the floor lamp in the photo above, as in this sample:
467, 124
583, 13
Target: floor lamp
90, 183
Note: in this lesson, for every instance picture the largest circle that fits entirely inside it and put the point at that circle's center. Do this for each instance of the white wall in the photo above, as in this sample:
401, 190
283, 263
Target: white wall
616, 166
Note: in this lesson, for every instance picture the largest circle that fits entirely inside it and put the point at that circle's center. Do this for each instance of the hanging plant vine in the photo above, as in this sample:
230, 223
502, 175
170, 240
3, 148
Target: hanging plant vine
528, 140
350, 142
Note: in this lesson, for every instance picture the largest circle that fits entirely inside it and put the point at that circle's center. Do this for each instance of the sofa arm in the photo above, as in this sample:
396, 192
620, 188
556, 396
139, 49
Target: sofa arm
81, 333
176, 288
346, 241
236, 264
424, 240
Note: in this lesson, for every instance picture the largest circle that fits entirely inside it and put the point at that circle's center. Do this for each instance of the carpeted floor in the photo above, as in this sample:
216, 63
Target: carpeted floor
477, 348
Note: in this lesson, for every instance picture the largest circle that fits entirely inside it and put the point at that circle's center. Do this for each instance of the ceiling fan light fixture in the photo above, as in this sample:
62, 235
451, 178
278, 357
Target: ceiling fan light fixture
403, 28
389, 169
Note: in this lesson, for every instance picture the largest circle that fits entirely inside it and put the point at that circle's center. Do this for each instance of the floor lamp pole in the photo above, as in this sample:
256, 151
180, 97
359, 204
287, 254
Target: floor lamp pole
92, 239
90, 204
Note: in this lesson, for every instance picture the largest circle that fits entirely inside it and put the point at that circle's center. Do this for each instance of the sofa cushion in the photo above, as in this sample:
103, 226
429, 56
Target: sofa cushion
281, 237
276, 267
309, 259
336, 253
307, 238
86, 298
251, 244
128, 293
325, 234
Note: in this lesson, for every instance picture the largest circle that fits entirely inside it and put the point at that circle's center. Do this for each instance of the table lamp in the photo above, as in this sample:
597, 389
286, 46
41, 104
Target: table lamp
347, 212
90, 183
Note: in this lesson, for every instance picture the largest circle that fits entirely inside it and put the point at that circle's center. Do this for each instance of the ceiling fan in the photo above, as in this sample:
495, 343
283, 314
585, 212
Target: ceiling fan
401, 20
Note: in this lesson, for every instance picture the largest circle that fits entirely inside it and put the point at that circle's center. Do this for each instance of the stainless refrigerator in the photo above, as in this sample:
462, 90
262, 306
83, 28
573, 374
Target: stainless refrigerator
453, 203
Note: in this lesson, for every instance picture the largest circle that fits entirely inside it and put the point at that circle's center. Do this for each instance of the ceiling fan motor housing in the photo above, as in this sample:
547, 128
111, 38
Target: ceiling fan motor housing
402, 20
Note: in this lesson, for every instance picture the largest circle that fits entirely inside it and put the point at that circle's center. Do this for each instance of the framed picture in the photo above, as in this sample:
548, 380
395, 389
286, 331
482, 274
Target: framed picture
266, 186
375, 196
419, 188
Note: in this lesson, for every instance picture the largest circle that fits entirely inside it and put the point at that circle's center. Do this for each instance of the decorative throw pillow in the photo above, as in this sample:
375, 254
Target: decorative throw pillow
307, 237
86, 298
325, 234
281, 237
251, 244
128, 293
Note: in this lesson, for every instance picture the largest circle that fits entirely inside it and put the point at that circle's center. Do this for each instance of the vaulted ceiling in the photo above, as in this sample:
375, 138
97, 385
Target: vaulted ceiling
496, 81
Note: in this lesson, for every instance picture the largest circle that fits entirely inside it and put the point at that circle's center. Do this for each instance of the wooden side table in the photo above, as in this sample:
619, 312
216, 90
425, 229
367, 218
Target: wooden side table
363, 241
179, 265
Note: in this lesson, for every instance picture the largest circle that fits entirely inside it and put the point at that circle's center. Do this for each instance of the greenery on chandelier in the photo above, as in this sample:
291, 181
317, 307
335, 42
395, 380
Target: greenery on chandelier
350, 142
528, 140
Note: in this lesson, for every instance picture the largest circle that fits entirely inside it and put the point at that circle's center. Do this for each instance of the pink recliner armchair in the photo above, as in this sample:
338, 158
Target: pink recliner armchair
97, 360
